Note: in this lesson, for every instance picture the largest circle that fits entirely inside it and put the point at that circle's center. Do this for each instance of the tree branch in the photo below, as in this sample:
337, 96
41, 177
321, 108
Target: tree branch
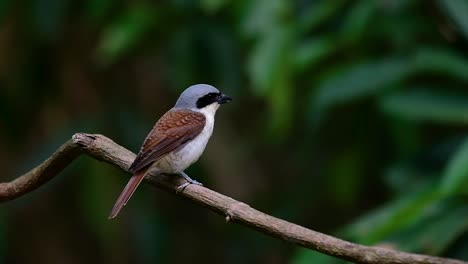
104, 149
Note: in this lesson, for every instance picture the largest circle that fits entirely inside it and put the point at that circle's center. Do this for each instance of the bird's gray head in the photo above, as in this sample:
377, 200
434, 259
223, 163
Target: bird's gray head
199, 96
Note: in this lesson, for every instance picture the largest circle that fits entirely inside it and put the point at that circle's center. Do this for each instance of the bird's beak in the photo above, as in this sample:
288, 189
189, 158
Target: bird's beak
222, 99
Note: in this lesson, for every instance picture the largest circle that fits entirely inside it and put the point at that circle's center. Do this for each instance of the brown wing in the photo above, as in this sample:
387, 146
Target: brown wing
173, 130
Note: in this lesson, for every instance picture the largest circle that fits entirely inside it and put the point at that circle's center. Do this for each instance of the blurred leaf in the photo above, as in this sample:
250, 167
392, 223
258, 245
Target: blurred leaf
423, 163
434, 233
402, 177
212, 6
359, 81
456, 174
264, 16
125, 33
401, 29
423, 105
270, 69
270, 58
367, 79
311, 52
399, 213
308, 256
317, 13
458, 11
357, 20
441, 61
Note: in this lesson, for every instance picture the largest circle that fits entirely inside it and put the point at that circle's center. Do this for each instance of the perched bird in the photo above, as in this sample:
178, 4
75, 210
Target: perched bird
177, 140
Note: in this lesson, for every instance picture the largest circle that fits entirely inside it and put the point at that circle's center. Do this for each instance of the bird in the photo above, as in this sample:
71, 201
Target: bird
177, 140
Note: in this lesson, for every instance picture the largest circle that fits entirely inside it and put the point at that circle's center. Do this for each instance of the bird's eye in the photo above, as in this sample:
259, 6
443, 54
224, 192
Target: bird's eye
207, 99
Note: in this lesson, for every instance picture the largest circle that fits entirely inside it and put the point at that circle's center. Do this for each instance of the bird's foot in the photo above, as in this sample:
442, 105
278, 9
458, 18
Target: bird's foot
185, 184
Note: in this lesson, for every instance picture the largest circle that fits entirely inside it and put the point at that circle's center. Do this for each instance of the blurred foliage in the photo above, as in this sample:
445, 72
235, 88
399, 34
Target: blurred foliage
349, 117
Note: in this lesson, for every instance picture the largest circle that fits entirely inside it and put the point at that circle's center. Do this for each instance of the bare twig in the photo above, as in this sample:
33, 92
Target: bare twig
104, 149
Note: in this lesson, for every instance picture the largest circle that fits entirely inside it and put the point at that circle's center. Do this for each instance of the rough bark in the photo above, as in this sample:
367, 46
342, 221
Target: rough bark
104, 149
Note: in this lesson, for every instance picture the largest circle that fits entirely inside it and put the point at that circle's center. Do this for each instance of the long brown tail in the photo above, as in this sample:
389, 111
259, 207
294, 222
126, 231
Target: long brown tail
127, 192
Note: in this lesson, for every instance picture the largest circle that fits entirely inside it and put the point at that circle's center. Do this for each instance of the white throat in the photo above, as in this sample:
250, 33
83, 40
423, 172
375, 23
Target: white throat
209, 111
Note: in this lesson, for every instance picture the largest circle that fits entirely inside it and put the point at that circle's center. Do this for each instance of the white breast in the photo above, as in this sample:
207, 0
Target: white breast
180, 160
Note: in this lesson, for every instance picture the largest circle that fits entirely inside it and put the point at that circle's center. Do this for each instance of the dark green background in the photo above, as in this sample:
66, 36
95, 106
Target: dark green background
349, 117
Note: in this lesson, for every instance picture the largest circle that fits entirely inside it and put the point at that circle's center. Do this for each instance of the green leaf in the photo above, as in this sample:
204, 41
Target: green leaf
269, 59
424, 105
456, 174
371, 78
433, 233
357, 20
125, 33
311, 52
359, 81
458, 11
270, 69
441, 61
398, 214
212, 6
264, 16
402, 177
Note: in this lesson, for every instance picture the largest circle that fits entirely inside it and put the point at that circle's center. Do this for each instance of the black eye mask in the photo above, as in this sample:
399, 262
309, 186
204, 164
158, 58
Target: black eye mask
208, 99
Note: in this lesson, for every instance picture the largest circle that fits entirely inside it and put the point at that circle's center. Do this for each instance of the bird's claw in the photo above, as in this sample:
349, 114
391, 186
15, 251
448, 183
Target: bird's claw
196, 182
182, 187
185, 184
